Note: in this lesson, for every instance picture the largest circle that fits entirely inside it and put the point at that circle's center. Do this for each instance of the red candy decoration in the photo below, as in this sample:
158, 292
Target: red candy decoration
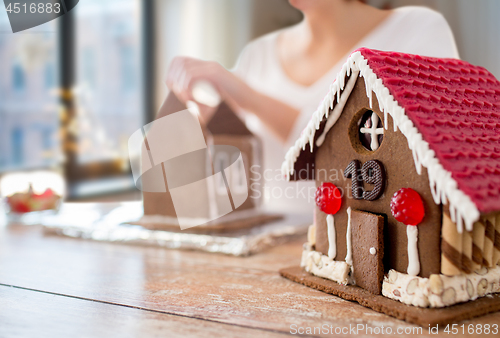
328, 198
407, 206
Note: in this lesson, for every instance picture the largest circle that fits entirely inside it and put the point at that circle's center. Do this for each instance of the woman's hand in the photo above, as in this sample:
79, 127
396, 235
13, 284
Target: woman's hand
184, 72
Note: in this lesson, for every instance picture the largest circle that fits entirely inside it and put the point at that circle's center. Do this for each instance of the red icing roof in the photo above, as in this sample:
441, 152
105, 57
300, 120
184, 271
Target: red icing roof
456, 108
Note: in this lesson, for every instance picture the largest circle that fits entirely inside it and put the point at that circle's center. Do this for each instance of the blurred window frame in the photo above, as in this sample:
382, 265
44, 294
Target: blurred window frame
81, 176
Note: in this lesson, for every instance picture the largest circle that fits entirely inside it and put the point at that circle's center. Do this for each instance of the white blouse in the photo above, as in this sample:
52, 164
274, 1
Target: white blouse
414, 30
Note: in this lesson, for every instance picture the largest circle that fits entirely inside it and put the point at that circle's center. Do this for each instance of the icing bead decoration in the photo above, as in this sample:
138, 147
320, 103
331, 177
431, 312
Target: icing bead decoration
352, 171
328, 198
373, 173
407, 207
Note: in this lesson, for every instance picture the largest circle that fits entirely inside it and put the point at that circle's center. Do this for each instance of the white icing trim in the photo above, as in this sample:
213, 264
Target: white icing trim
413, 261
436, 291
332, 244
443, 187
373, 251
440, 290
348, 239
322, 266
311, 234
339, 107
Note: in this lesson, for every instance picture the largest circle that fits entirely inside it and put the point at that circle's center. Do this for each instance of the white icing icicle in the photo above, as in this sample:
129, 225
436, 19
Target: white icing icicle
348, 240
332, 244
332, 119
413, 261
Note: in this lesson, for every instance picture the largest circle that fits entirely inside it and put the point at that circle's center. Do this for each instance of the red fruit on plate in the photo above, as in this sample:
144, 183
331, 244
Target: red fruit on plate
328, 198
20, 207
48, 193
23, 202
407, 206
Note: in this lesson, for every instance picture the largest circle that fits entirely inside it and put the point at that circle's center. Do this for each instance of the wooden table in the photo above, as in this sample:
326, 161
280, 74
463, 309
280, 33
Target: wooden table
61, 287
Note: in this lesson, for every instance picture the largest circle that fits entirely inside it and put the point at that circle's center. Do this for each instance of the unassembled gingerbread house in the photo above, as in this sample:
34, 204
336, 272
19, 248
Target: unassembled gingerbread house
405, 150
234, 150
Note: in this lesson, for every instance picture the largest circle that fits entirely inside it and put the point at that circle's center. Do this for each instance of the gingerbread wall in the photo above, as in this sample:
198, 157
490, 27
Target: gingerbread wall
337, 152
250, 148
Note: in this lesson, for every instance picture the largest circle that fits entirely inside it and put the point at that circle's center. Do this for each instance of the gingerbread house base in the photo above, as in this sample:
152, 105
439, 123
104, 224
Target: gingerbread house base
234, 221
408, 313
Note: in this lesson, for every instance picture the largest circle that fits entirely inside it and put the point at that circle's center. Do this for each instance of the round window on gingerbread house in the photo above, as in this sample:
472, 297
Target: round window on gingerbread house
368, 134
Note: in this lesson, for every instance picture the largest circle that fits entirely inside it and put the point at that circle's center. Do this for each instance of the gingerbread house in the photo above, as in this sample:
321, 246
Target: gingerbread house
234, 150
404, 150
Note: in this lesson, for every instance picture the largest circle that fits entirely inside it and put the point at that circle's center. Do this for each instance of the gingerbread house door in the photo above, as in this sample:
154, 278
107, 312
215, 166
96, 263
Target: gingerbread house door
368, 250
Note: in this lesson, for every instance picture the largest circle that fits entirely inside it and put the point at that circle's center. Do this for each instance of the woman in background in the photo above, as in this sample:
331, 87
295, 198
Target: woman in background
282, 77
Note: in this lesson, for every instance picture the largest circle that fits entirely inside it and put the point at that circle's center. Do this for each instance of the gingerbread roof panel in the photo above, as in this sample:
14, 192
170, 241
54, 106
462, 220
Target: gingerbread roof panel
456, 108
449, 111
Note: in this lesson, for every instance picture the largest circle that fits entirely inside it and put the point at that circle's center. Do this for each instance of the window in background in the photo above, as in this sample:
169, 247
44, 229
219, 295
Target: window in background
103, 50
50, 75
88, 67
128, 69
28, 97
17, 145
18, 78
108, 88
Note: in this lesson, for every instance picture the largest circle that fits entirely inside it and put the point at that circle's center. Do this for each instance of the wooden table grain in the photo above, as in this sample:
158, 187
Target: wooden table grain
62, 287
